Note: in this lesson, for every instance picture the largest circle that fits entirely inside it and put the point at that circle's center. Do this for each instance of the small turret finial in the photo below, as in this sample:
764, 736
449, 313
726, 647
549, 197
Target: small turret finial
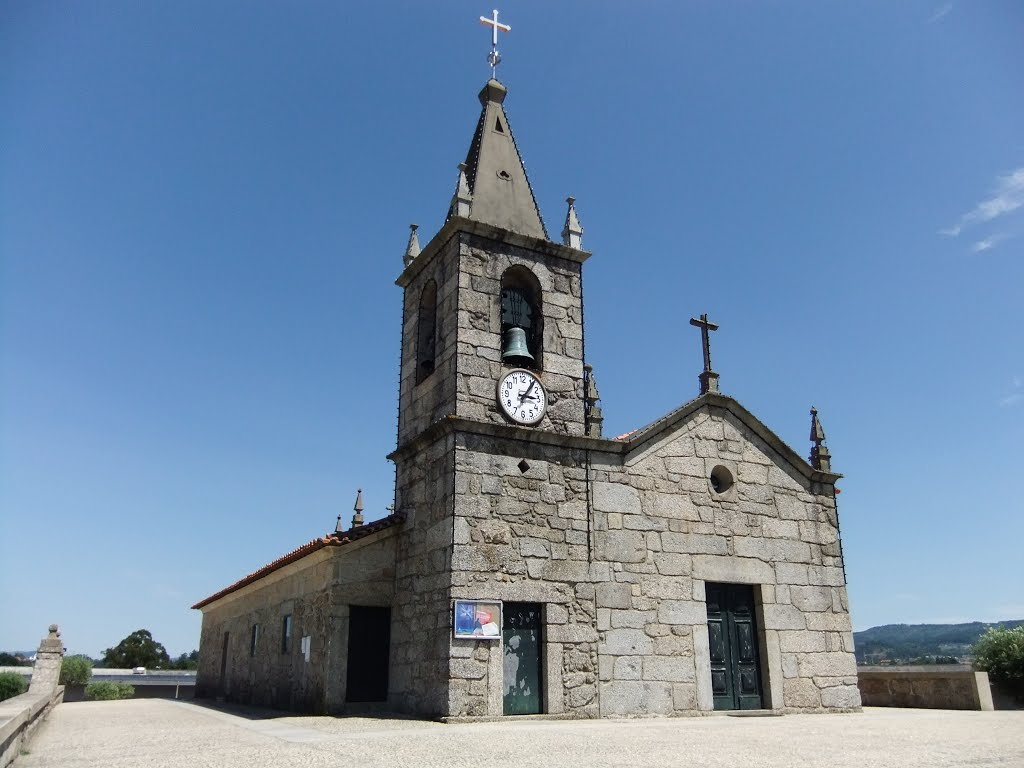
820, 457
357, 518
463, 198
412, 250
338, 527
593, 419
572, 232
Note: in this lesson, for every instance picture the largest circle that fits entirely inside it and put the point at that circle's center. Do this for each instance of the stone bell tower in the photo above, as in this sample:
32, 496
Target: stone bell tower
488, 294
491, 291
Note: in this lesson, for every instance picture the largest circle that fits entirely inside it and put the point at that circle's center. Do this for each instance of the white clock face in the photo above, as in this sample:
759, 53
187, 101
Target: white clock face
522, 397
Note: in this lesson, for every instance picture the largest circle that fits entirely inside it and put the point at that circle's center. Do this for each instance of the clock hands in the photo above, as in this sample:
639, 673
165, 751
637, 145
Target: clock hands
526, 394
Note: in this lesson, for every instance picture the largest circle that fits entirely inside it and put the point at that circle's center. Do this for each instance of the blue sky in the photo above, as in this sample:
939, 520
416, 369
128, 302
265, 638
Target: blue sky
203, 208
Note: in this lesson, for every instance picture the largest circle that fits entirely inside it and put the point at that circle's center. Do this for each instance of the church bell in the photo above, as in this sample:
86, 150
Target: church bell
514, 346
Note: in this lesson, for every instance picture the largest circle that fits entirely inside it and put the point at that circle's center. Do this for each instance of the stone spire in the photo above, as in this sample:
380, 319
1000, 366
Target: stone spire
338, 527
499, 191
572, 232
412, 250
820, 458
357, 518
592, 416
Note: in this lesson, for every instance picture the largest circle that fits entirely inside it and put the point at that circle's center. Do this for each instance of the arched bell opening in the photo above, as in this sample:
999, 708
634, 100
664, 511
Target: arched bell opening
426, 332
522, 322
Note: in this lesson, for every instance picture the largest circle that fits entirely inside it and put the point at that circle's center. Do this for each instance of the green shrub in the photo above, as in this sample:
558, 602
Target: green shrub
1000, 652
12, 684
75, 670
109, 691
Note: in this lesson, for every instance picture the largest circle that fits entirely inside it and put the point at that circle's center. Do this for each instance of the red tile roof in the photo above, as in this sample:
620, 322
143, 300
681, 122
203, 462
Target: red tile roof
331, 540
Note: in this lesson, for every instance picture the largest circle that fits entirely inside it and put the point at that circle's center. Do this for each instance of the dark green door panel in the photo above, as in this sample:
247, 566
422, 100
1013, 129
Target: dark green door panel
732, 636
521, 641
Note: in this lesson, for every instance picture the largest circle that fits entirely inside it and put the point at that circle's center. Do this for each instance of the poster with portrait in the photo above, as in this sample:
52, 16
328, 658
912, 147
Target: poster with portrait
478, 619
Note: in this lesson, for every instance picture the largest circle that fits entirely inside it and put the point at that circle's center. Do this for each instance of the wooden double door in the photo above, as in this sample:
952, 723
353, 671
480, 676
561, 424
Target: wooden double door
733, 641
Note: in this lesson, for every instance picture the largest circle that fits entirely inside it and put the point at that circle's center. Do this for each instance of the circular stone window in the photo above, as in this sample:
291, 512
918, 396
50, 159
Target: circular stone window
721, 479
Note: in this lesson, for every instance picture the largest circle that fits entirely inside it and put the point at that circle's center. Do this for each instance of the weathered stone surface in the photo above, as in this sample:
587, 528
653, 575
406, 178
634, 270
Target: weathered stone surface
614, 497
826, 665
675, 669
627, 642
735, 570
811, 598
841, 696
784, 617
801, 693
628, 667
829, 622
614, 595
682, 612
673, 564
692, 543
622, 546
636, 698
802, 642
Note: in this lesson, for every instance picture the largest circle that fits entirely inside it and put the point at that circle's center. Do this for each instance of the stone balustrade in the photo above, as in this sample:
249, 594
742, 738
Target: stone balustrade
22, 715
941, 686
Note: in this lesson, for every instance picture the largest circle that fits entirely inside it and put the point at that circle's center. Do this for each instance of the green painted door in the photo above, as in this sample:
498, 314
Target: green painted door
732, 635
521, 641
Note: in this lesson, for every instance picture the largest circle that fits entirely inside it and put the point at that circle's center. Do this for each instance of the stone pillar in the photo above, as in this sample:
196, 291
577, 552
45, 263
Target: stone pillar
46, 672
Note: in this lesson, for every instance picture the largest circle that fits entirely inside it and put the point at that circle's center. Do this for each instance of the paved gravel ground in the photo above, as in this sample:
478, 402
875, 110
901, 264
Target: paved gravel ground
170, 734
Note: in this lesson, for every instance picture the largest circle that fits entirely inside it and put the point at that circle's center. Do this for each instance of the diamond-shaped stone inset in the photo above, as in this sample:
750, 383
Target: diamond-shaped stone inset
523, 466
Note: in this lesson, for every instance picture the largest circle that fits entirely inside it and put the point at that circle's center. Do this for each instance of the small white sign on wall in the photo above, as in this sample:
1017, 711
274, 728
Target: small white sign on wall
304, 644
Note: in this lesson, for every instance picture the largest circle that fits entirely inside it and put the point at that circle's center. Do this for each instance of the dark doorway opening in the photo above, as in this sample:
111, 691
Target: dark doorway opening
521, 642
733, 641
369, 651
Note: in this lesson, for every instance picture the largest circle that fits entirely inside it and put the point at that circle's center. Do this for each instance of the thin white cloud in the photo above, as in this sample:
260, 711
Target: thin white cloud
941, 11
1007, 198
1016, 396
989, 243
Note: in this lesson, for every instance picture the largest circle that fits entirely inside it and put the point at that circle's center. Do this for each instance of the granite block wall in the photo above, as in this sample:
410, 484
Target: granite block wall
620, 555
421, 617
316, 591
482, 262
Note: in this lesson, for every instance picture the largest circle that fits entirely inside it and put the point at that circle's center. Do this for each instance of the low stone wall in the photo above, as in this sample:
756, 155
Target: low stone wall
929, 687
19, 718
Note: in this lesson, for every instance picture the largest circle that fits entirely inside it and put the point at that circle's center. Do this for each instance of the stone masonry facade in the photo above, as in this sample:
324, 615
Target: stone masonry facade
620, 562
316, 591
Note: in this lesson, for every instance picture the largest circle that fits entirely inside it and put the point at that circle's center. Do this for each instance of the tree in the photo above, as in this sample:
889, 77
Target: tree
1000, 652
12, 684
75, 670
186, 661
10, 660
139, 649
105, 691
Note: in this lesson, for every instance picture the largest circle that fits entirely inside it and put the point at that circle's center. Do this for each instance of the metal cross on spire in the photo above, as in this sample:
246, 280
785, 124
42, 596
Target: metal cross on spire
708, 378
494, 58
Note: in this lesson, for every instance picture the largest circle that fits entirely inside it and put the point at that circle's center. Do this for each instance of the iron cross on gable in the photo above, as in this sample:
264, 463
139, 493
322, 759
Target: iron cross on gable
494, 58
705, 325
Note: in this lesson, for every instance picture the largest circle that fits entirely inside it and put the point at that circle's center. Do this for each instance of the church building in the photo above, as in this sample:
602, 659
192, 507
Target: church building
532, 565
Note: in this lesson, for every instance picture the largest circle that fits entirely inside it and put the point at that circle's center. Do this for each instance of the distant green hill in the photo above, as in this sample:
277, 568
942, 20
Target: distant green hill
902, 643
